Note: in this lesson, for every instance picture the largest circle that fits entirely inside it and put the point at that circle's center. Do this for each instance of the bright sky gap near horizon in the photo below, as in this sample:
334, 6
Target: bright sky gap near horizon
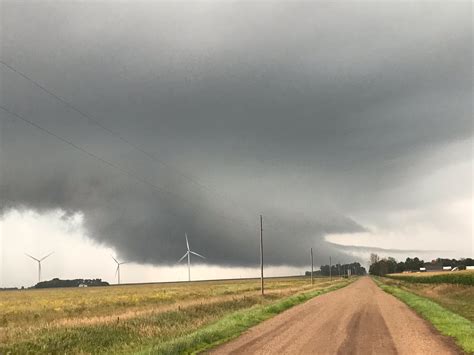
347, 125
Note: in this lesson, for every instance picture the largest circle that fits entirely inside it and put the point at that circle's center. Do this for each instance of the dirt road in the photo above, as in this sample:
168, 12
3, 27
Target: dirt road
358, 319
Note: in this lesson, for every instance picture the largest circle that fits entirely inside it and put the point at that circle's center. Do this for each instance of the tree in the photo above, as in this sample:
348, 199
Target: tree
401, 266
374, 258
356, 269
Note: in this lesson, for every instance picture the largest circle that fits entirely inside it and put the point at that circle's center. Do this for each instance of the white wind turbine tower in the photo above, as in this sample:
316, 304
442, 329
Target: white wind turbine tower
117, 271
188, 254
39, 263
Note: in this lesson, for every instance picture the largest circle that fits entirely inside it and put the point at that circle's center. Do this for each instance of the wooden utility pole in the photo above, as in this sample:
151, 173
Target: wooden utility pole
330, 268
312, 266
261, 254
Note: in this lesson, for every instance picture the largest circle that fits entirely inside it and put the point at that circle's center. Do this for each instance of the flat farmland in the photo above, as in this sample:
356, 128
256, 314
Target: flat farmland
435, 273
465, 277
134, 318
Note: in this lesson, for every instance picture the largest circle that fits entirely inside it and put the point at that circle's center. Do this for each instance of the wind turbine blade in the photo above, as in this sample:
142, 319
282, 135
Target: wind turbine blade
114, 259
44, 257
124, 262
192, 252
116, 270
187, 243
32, 257
185, 255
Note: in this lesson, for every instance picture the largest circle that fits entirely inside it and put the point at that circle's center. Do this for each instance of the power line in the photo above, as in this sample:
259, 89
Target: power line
111, 164
117, 135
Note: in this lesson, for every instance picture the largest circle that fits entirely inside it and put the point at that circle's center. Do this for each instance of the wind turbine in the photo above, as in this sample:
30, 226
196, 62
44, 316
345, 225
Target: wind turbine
117, 271
39, 263
188, 254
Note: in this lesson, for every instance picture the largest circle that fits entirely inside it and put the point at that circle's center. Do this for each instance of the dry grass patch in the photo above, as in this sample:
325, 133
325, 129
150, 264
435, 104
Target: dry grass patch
127, 318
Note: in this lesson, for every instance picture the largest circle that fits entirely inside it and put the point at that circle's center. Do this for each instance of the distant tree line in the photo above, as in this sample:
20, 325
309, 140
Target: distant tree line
9, 288
71, 283
461, 263
389, 265
339, 269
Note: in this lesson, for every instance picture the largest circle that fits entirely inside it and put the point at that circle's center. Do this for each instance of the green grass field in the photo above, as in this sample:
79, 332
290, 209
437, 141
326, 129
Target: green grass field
163, 318
448, 306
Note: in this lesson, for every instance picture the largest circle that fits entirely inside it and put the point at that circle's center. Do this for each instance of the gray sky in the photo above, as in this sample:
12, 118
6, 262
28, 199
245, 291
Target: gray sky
348, 122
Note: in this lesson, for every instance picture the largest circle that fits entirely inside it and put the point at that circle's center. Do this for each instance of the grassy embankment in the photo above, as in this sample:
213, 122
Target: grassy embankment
166, 318
448, 306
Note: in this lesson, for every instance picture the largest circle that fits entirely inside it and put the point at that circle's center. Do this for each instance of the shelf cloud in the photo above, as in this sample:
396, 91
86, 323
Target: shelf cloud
199, 117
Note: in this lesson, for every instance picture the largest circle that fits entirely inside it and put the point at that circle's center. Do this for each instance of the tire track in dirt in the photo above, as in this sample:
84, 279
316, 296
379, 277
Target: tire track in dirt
357, 319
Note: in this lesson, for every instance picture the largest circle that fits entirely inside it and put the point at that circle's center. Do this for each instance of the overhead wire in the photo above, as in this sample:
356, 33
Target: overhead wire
136, 147
119, 136
113, 165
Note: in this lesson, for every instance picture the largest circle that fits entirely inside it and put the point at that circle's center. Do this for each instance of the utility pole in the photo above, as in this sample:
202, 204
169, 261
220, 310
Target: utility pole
312, 267
330, 268
261, 254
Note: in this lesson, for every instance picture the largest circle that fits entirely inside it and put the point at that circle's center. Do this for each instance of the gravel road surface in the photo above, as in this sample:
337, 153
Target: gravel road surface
357, 319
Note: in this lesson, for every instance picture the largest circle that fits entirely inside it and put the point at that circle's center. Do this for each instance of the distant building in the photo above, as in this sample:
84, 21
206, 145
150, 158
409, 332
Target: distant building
434, 267
469, 267
82, 285
447, 268
422, 269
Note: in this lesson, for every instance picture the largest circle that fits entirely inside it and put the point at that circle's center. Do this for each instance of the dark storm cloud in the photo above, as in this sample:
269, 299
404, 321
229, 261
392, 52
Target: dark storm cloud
307, 113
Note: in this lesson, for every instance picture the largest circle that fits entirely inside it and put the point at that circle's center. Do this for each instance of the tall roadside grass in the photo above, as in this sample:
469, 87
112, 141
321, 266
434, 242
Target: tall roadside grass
445, 321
